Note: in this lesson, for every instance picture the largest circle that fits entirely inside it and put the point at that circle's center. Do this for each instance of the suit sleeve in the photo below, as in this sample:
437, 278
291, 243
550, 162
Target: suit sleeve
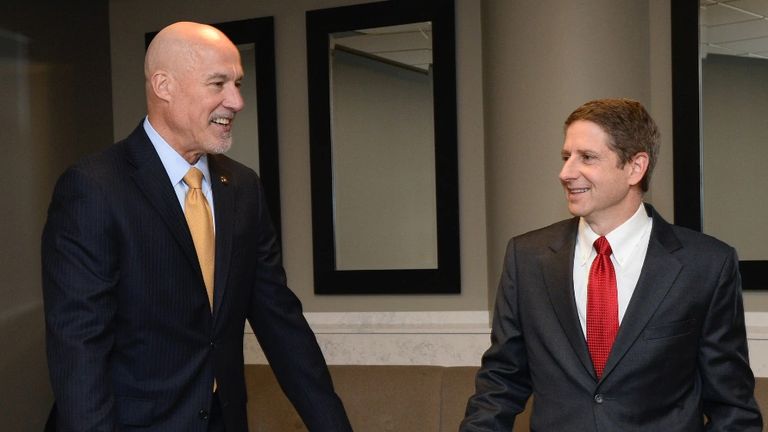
79, 275
728, 383
503, 383
287, 339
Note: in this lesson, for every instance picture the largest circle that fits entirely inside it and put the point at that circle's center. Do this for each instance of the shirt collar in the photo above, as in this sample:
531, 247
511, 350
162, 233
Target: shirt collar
623, 239
175, 165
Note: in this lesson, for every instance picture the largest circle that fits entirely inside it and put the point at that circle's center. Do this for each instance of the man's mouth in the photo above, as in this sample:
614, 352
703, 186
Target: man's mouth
222, 121
577, 190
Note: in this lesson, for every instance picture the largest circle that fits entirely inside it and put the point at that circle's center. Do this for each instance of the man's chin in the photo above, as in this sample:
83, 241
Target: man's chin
576, 210
219, 148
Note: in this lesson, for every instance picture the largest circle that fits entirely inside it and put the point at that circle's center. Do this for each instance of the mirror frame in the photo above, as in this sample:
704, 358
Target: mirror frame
686, 133
445, 279
260, 32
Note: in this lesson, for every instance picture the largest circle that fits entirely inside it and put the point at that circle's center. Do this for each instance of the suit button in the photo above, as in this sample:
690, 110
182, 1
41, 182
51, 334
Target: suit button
599, 398
203, 414
212, 344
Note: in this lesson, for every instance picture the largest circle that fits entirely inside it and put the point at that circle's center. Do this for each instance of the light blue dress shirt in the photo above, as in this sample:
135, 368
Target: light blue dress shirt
177, 167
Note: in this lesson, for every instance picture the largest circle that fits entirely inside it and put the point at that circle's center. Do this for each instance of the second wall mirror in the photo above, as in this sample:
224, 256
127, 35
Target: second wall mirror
382, 100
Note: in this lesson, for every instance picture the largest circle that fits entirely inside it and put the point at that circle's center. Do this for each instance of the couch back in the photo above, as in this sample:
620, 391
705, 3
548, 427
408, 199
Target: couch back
388, 398
377, 398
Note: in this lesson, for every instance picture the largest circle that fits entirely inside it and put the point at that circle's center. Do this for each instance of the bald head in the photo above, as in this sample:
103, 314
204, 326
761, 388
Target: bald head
177, 46
193, 75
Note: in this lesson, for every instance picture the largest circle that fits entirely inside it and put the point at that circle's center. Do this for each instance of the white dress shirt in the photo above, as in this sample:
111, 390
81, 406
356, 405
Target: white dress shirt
629, 244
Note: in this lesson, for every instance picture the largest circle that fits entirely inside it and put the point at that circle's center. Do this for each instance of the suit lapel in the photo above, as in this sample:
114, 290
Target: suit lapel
224, 204
153, 181
558, 279
660, 270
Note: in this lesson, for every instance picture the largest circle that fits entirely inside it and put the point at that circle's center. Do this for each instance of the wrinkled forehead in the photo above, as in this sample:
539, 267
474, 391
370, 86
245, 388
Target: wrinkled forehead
210, 59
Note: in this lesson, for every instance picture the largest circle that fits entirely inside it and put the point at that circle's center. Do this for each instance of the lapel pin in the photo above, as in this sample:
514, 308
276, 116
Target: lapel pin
224, 180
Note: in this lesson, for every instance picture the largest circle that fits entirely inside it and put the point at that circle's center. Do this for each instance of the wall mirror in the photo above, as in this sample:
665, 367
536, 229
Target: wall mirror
255, 131
720, 106
382, 98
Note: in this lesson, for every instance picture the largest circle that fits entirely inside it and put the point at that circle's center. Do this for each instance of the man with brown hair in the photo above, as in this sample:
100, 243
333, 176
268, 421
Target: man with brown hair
615, 320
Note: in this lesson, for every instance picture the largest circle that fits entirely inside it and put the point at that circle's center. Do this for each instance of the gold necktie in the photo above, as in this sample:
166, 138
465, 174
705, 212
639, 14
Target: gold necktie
200, 222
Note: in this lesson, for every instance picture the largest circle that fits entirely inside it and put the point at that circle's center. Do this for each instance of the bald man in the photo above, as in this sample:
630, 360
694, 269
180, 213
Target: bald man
155, 252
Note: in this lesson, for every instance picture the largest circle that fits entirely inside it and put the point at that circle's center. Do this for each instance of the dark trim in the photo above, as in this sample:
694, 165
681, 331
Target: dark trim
328, 280
686, 115
260, 32
686, 128
753, 274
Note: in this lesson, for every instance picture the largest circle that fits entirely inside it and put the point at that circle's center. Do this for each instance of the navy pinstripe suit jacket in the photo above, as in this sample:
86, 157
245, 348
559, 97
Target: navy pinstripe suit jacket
132, 343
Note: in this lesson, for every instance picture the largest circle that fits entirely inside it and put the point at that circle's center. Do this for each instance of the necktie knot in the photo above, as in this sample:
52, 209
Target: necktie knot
194, 178
602, 246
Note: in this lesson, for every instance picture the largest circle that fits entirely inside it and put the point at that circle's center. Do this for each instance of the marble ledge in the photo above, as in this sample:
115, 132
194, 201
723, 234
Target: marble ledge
394, 338
429, 322
757, 325
391, 349
435, 338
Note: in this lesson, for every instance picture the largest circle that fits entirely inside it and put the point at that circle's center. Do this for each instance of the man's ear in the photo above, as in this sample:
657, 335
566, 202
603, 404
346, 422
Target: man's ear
638, 166
162, 85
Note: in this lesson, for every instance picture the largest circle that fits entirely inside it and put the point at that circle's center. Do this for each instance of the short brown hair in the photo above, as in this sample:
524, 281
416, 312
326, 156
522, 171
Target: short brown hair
629, 126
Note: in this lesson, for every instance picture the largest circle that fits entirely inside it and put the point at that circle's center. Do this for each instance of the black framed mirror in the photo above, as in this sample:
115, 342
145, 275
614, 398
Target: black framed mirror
694, 143
383, 149
257, 123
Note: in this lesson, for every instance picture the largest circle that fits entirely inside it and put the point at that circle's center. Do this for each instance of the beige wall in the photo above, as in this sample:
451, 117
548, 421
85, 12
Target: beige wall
542, 59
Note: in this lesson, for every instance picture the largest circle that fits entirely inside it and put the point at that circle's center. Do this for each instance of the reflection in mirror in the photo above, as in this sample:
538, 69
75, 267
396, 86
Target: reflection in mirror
720, 89
734, 103
382, 97
383, 148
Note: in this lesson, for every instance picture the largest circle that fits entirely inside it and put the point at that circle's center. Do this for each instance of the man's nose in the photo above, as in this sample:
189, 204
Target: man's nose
567, 172
234, 99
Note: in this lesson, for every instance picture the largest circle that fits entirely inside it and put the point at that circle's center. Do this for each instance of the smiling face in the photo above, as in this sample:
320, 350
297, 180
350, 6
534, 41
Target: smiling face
598, 187
193, 76
206, 99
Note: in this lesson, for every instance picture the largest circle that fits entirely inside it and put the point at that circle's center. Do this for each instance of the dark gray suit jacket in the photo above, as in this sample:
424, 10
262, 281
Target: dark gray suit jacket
132, 343
680, 354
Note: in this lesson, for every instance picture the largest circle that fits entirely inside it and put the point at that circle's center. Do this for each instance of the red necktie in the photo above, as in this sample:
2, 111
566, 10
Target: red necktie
602, 306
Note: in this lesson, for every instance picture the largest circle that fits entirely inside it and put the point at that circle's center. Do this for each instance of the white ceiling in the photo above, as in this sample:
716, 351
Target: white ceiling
409, 44
734, 27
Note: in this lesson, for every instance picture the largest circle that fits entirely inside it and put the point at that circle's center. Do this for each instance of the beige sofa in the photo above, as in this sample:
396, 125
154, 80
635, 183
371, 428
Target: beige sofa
387, 398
